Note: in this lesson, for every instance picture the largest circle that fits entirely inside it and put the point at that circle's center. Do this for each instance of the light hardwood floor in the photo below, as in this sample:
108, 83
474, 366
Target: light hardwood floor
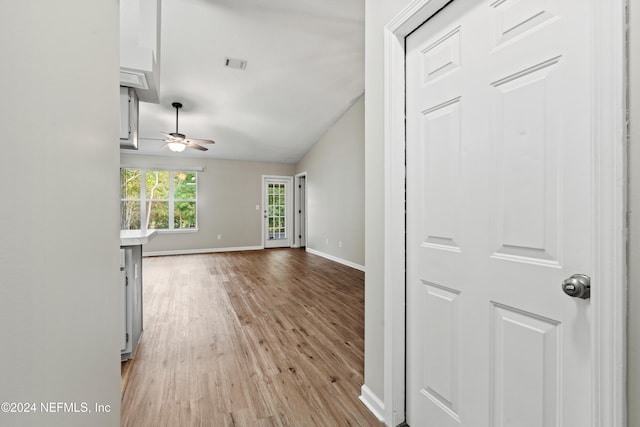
260, 338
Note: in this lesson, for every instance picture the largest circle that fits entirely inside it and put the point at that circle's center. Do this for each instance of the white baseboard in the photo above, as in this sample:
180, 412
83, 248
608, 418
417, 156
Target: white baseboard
202, 251
248, 248
336, 259
371, 401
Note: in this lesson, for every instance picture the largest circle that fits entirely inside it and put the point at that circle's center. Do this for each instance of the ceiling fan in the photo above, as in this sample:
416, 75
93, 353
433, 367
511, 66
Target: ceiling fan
177, 141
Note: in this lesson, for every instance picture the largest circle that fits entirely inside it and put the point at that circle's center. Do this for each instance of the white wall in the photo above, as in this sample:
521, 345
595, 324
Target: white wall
59, 211
335, 188
633, 354
377, 14
228, 192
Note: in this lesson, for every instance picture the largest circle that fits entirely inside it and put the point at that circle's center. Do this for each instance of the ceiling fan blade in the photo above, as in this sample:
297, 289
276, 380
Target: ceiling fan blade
169, 136
165, 145
201, 141
196, 146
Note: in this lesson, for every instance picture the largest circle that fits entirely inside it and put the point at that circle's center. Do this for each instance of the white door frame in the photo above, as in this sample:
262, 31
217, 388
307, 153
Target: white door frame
297, 241
264, 206
609, 209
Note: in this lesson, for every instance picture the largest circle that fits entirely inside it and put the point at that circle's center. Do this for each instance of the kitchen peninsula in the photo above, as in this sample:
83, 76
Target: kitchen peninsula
131, 242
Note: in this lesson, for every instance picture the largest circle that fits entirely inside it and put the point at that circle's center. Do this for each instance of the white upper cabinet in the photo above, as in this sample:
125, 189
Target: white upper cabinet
140, 47
128, 118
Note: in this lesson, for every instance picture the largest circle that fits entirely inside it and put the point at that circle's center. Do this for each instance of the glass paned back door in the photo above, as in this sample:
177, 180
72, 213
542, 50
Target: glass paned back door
277, 212
276, 209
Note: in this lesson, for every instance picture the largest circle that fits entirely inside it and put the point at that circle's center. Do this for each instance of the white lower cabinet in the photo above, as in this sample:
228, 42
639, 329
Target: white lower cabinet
131, 306
123, 303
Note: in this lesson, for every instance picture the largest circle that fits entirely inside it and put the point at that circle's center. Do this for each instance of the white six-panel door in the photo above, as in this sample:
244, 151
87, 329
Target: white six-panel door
499, 196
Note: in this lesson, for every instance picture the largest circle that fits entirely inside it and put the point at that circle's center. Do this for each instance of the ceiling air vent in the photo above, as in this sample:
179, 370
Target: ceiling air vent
238, 64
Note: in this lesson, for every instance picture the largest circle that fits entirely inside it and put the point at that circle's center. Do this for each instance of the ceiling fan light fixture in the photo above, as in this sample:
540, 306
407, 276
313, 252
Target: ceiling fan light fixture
177, 142
176, 146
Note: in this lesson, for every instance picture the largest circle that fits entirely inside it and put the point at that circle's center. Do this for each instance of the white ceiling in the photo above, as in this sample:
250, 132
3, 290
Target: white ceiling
305, 67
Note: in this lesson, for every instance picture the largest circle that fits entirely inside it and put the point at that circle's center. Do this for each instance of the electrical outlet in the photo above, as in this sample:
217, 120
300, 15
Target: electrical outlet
257, 207
327, 241
340, 244
219, 236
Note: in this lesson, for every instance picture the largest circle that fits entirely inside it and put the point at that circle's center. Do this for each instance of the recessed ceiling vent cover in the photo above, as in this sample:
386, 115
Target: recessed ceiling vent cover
238, 64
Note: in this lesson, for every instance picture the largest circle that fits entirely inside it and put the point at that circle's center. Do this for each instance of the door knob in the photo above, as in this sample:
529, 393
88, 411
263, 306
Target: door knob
578, 286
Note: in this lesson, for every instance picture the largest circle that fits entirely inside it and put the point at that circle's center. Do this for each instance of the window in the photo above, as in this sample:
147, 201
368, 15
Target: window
158, 199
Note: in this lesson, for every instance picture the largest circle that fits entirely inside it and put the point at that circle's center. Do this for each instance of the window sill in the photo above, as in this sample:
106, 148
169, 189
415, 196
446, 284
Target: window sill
159, 231
179, 231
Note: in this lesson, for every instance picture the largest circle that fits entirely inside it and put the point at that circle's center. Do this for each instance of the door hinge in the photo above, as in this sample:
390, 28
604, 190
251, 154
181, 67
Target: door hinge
126, 280
299, 211
299, 236
127, 336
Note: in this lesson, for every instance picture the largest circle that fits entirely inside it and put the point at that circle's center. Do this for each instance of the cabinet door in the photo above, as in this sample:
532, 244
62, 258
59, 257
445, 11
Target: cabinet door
125, 126
123, 310
127, 305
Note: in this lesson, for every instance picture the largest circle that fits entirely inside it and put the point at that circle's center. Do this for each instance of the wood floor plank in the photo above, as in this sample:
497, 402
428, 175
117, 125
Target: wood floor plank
258, 338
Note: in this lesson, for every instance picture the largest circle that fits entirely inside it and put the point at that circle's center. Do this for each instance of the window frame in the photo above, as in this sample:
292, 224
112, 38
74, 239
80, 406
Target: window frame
171, 200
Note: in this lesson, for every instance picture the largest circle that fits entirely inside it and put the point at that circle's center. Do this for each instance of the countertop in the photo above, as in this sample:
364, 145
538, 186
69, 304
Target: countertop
136, 237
